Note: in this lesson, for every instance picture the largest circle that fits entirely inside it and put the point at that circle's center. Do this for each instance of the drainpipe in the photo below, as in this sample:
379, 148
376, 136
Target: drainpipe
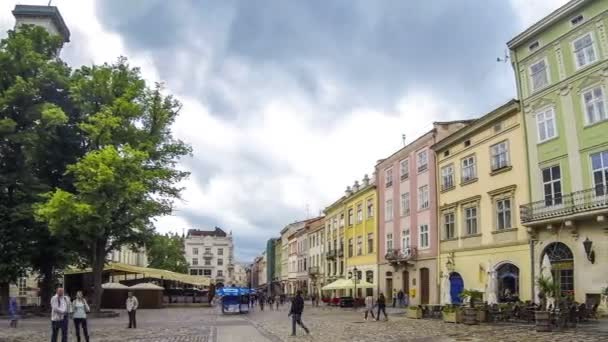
532, 242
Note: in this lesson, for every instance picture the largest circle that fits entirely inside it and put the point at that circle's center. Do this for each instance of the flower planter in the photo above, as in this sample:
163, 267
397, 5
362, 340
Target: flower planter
452, 317
482, 315
469, 316
414, 312
543, 321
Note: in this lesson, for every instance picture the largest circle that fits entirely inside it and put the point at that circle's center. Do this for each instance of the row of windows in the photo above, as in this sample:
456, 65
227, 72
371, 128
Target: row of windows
470, 218
423, 203
584, 52
404, 166
220, 251
207, 262
207, 273
334, 223
423, 239
594, 108
499, 159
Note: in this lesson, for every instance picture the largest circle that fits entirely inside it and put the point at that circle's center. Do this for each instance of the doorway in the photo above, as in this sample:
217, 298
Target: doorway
406, 282
456, 287
424, 286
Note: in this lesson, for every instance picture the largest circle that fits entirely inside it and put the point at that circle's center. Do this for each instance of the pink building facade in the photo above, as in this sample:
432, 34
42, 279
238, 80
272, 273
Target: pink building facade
407, 218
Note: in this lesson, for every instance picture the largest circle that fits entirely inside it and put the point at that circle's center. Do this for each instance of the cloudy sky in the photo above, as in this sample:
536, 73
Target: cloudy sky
288, 102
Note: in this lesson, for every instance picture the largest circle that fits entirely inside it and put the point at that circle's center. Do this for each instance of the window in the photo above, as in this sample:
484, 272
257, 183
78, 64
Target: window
422, 160
359, 245
207, 249
467, 143
207, 273
539, 75
370, 208
370, 243
448, 225
195, 251
423, 197
424, 236
498, 127
599, 164
447, 177
405, 239
341, 220
545, 123
577, 20
469, 170
388, 213
405, 204
220, 251
405, 168
220, 273
500, 155
552, 185
193, 272
503, 213
194, 261
350, 217
359, 213
350, 248
389, 241
22, 285
220, 262
595, 108
533, 46
207, 262
446, 153
470, 217
389, 177
584, 51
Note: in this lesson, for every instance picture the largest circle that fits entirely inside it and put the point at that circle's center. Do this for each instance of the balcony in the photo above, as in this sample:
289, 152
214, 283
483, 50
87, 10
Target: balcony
340, 253
397, 257
331, 254
208, 255
578, 204
313, 271
230, 266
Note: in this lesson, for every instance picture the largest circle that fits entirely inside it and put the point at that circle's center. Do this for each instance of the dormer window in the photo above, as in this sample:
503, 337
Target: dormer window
534, 46
577, 20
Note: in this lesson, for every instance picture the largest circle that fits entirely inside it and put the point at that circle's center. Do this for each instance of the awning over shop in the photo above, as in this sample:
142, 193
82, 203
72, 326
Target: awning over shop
345, 284
116, 269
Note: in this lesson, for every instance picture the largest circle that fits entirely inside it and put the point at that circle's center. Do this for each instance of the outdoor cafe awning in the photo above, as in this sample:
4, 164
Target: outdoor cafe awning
116, 268
346, 284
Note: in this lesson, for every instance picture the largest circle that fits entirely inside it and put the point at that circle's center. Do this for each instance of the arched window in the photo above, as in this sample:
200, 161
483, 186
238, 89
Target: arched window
369, 277
508, 282
562, 266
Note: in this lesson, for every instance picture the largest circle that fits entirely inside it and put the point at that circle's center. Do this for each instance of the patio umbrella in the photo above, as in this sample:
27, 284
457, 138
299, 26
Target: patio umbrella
446, 297
492, 285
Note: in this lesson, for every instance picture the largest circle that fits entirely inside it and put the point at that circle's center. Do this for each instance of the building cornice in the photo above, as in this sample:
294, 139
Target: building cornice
544, 23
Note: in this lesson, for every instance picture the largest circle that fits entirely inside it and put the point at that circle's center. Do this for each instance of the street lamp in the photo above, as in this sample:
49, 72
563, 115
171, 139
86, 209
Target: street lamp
356, 278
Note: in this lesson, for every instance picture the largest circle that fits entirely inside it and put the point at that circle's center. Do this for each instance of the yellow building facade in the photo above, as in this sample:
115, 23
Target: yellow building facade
482, 181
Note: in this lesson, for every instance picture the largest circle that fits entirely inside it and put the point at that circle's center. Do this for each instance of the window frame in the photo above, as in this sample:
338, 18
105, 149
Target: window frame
447, 236
420, 198
557, 199
447, 176
421, 167
473, 166
370, 208
389, 238
574, 51
547, 73
388, 174
404, 175
388, 214
603, 170
370, 243
405, 204
466, 219
497, 212
591, 89
507, 153
359, 212
427, 233
544, 111
406, 235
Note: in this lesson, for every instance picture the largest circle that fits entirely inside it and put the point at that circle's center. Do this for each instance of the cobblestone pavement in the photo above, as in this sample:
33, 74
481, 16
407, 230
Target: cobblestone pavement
326, 324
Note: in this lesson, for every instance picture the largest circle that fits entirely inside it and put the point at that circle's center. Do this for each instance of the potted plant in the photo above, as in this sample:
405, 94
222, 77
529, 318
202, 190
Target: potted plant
546, 288
470, 312
451, 314
414, 312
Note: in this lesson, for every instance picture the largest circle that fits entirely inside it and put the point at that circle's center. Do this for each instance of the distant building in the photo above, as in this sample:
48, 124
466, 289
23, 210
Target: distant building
239, 277
210, 253
129, 256
47, 17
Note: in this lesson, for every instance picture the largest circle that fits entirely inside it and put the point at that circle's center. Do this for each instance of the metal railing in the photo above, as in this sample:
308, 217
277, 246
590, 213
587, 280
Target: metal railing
567, 204
397, 255
340, 253
314, 270
331, 254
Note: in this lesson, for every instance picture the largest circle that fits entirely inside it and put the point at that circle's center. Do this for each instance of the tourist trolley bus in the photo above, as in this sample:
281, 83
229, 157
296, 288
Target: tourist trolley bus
235, 300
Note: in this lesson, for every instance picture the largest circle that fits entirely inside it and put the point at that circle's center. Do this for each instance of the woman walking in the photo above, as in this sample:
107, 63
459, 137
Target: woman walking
81, 308
13, 312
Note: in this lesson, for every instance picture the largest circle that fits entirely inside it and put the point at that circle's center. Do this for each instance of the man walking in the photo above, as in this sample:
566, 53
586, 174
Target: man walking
132, 305
382, 307
369, 306
297, 307
60, 307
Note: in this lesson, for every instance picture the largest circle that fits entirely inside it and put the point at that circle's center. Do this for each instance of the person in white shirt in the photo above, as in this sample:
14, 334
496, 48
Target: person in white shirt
60, 308
132, 305
369, 306
81, 307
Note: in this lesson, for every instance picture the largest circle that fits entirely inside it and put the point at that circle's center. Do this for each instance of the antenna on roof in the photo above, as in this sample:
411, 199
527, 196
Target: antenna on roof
505, 59
403, 138
50, 2
307, 211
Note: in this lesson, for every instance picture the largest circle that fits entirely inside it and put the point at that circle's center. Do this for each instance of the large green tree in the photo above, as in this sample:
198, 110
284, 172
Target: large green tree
38, 138
167, 252
128, 175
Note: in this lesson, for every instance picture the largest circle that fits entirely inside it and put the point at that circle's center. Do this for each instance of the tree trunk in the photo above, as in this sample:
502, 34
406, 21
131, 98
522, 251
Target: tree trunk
4, 293
99, 259
47, 287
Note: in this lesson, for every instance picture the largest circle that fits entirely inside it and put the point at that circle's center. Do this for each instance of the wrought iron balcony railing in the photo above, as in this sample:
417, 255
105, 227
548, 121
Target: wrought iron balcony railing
397, 255
313, 271
340, 253
331, 254
563, 205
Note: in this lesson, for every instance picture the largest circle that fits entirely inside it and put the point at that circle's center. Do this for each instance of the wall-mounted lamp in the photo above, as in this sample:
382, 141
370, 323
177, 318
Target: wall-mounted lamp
588, 244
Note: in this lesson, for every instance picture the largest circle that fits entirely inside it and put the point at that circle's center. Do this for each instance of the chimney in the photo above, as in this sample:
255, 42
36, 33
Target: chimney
356, 186
348, 191
365, 180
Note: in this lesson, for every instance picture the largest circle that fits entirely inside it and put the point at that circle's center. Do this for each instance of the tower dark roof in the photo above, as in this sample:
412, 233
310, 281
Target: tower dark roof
52, 12
218, 232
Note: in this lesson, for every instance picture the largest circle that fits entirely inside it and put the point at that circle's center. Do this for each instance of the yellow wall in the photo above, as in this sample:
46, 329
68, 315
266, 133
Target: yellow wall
475, 255
361, 229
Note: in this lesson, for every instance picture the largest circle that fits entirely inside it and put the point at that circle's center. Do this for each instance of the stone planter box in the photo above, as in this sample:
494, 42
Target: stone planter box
452, 317
414, 312
543, 321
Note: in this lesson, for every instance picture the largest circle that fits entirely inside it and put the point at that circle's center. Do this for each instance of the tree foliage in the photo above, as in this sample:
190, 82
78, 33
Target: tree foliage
167, 252
128, 175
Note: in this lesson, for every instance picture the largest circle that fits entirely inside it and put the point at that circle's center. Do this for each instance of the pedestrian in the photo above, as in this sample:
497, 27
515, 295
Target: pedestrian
276, 300
81, 307
400, 296
132, 305
382, 307
13, 312
60, 308
262, 300
394, 297
297, 307
369, 306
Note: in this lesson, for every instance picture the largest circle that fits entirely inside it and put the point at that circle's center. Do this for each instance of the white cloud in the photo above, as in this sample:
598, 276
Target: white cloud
532, 11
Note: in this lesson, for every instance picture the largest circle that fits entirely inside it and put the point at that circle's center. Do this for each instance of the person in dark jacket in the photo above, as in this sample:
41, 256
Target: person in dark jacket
381, 307
297, 307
